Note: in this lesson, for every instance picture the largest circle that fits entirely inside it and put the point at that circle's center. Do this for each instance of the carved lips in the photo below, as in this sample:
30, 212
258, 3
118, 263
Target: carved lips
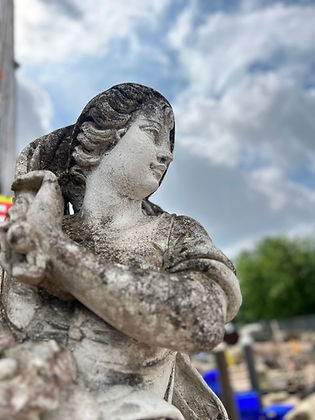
158, 169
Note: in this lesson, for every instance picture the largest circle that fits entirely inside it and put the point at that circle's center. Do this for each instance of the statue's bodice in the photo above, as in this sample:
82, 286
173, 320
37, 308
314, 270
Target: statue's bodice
115, 371
104, 355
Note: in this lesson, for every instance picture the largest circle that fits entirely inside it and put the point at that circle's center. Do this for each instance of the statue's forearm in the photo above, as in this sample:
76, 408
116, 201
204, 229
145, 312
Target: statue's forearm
178, 311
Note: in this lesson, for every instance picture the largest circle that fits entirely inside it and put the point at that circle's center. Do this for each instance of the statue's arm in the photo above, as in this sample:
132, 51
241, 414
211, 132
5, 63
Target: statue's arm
183, 308
181, 311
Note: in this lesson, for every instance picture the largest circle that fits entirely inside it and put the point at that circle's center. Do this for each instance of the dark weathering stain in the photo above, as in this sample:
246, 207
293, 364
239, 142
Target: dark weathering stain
118, 378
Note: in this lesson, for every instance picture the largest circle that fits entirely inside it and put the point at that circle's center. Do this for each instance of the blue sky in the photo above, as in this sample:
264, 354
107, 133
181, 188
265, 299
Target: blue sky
241, 78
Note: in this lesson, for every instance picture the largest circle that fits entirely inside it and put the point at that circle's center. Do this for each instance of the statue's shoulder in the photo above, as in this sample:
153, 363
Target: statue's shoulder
189, 241
185, 225
188, 235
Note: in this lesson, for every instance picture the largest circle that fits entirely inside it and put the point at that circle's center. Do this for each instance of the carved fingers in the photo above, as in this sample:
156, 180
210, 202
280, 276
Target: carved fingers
11, 244
28, 258
36, 213
22, 252
45, 202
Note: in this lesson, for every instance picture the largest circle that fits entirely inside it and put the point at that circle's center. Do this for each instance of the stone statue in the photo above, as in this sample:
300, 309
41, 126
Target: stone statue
99, 308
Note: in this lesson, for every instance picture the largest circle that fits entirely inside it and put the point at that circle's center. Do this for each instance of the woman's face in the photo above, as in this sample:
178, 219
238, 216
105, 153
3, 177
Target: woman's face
136, 165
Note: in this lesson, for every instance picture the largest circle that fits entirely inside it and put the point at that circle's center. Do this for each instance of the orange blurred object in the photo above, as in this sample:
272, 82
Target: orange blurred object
5, 204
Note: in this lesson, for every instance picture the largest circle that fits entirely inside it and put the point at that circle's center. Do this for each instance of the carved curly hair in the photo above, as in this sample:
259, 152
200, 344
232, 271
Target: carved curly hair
71, 152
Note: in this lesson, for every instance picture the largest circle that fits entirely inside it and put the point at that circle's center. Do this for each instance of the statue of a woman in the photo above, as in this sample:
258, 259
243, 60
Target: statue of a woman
123, 288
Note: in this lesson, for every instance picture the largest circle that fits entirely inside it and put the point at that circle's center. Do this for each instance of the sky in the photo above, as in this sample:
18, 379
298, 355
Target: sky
240, 75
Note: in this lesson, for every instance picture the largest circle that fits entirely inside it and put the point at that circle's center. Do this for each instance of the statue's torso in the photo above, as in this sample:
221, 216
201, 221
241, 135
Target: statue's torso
104, 355
118, 377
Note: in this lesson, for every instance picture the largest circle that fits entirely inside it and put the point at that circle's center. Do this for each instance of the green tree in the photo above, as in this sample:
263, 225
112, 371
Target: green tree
277, 279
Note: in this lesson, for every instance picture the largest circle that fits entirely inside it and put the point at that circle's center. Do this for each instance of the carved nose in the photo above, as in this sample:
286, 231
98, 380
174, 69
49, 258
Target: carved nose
165, 157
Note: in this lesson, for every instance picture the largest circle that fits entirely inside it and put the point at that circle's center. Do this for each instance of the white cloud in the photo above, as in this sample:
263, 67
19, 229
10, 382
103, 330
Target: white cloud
245, 121
300, 230
222, 47
247, 110
183, 26
48, 31
34, 112
231, 108
236, 209
266, 122
280, 192
245, 101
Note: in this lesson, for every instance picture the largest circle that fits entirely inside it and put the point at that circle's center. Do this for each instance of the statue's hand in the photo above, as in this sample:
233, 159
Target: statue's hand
25, 257
38, 199
31, 377
36, 213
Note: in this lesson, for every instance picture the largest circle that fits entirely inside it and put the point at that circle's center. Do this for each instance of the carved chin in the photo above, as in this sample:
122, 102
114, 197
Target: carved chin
145, 190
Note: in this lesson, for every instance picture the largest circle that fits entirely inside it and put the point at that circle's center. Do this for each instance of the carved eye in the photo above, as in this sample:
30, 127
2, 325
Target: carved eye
154, 133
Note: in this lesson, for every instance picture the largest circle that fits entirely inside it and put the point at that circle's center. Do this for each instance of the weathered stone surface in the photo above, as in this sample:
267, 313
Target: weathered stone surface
31, 376
121, 285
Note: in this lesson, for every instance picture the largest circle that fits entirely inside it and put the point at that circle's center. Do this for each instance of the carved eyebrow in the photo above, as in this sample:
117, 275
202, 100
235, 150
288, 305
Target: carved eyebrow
150, 124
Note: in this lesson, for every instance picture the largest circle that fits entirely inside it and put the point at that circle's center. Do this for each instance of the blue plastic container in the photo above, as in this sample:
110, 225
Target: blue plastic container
276, 412
248, 405
212, 377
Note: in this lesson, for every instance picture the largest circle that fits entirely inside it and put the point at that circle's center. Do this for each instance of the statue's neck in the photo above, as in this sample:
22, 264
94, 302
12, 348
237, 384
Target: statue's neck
110, 209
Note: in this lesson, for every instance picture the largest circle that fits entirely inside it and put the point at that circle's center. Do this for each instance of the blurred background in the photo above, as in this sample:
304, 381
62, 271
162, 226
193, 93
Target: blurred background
240, 75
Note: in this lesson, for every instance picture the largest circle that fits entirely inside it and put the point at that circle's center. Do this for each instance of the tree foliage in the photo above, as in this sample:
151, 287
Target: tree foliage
277, 279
